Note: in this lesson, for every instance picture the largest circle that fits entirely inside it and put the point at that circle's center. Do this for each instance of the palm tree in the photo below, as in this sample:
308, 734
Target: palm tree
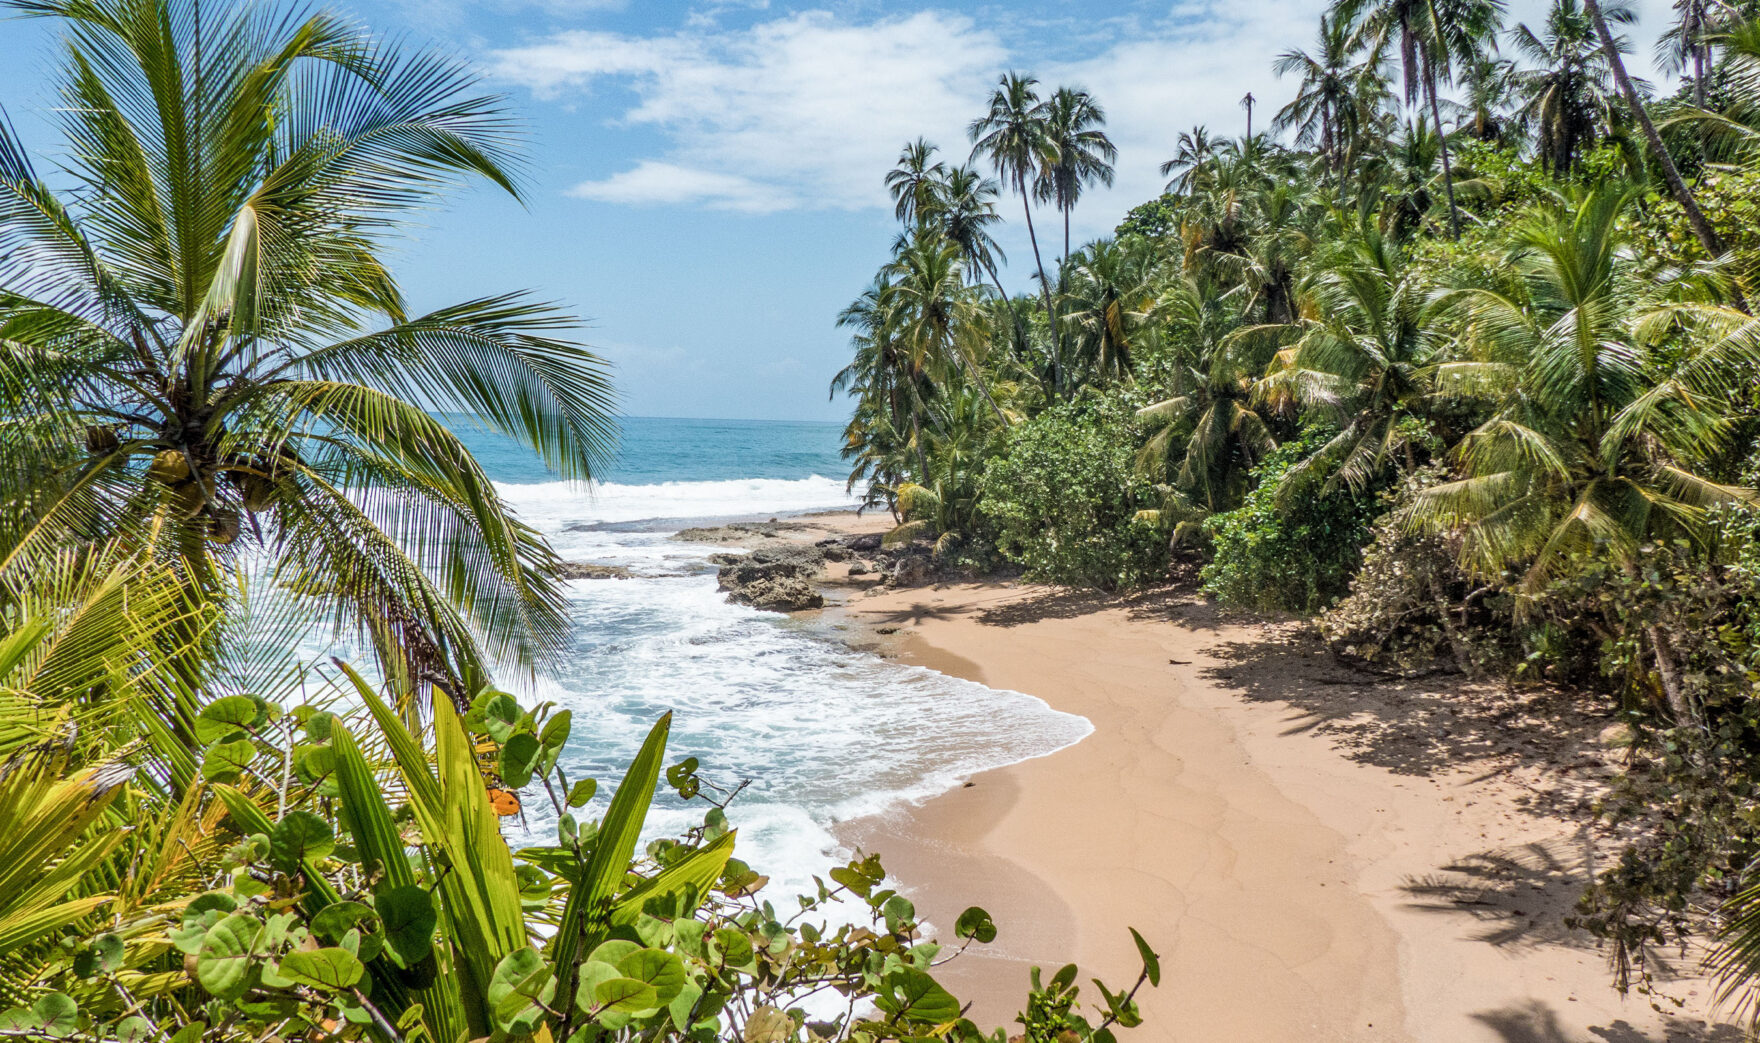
913, 180
203, 348
1195, 149
1326, 97
1013, 135
1692, 40
1365, 359
891, 386
1082, 152
1111, 287
1593, 443
1490, 84
940, 320
1570, 92
963, 203
1431, 36
1702, 230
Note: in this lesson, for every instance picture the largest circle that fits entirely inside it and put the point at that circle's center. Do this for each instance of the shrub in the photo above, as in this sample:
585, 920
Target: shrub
1293, 544
1063, 498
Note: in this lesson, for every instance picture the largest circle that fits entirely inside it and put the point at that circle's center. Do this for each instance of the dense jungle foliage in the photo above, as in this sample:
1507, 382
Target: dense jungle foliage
214, 442
1457, 353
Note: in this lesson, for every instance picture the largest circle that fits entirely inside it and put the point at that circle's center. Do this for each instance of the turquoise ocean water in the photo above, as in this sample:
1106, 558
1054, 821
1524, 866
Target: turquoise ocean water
822, 732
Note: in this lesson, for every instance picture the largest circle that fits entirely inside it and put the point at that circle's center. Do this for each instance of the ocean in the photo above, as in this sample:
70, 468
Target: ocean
822, 733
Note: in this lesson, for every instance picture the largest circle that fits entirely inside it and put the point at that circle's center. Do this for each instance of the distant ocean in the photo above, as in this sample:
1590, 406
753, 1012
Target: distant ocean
823, 733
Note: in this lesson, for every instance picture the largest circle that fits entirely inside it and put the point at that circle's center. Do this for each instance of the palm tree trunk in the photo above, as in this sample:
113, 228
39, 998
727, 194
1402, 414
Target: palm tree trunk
1454, 214
1695, 217
1020, 185
1065, 210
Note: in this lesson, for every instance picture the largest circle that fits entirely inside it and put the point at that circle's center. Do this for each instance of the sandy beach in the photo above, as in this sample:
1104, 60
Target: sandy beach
1317, 854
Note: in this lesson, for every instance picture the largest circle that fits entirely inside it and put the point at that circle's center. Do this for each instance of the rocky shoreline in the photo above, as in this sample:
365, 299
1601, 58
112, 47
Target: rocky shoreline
784, 575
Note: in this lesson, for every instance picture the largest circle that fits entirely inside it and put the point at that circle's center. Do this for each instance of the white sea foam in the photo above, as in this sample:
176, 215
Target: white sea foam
823, 733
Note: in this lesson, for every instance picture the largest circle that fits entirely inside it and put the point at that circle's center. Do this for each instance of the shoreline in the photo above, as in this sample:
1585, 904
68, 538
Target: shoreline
1295, 844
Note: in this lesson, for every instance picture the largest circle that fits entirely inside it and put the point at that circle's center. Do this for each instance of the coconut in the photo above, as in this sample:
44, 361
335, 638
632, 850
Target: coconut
169, 466
101, 438
259, 492
223, 529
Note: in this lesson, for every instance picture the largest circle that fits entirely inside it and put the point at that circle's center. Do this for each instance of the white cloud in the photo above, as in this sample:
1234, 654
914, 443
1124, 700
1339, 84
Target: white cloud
806, 111
809, 110
653, 182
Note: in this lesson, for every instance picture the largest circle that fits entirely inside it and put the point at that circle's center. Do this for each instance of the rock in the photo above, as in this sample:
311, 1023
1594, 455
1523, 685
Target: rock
782, 594
867, 542
587, 570
860, 568
787, 562
911, 571
837, 552
738, 532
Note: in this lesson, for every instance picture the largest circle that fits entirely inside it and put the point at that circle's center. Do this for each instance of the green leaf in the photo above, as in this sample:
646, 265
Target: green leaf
976, 924
57, 1014
626, 996
501, 715
329, 969
661, 971
133, 1030
337, 919
225, 761
1151, 960
592, 974
912, 994
410, 920
223, 965
582, 793
299, 836
519, 756
227, 716
556, 730
521, 985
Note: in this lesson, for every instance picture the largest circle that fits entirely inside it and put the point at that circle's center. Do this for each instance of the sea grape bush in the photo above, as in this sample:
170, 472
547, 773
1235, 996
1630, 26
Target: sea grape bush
371, 896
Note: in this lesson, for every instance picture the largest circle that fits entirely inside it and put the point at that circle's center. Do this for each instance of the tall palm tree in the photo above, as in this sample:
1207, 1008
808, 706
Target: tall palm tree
1570, 94
1080, 150
1692, 40
1488, 88
1431, 37
1111, 288
940, 320
1194, 150
1014, 137
1702, 230
963, 203
1594, 443
913, 180
201, 345
1326, 98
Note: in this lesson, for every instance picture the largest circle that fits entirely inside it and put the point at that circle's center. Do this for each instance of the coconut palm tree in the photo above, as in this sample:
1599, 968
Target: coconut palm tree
1326, 99
1195, 149
1110, 289
1081, 151
940, 320
913, 180
1431, 38
1571, 99
1014, 137
963, 204
201, 346
1593, 444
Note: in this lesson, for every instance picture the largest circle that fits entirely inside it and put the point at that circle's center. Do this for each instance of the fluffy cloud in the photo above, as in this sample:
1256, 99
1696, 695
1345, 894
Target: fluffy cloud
808, 110
804, 111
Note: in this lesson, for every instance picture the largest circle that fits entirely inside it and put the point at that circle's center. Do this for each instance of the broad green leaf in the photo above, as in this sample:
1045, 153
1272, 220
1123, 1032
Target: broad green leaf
227, 716
556, 731
329, 969
582, 793
224, 963
519, 757
768, 1025
225, 761
58, 1014
522, 982
501, 715
626, 996
334, 921
912, 994
410, 920
301, 836
661, 971
976, 924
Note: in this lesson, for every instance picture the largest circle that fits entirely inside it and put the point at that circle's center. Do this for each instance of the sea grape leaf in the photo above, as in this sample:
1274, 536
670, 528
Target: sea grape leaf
768, 1025
911, 993
227, 716
626, 996
582, 793
300, 836
1151, 960
58, 1014
976, 924
410, 918
521, 984
660, 971
223, 965
556, 730
225, 761
329, 969
519, 757
501, 715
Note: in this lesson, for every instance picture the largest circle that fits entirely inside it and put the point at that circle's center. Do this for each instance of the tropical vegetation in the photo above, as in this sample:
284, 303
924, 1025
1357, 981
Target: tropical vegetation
217, 440
1457, 358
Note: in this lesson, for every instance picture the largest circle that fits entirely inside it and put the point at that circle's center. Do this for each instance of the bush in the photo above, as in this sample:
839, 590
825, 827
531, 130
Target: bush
1064, 494
1292, 548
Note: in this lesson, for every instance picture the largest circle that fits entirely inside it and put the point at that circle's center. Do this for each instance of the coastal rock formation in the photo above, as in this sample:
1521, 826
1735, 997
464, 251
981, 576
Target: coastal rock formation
587, 570
910, 570
738, 532
867, 542
781, 594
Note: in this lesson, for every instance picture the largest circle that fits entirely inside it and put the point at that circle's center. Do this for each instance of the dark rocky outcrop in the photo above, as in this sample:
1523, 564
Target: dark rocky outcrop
776, 578
867, 542
739, 532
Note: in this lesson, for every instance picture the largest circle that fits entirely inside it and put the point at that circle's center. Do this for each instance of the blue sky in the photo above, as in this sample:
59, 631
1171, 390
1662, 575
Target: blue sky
705, 177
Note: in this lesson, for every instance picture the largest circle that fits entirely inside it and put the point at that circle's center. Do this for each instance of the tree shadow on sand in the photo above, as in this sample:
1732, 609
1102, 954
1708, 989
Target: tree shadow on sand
1537, 1022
